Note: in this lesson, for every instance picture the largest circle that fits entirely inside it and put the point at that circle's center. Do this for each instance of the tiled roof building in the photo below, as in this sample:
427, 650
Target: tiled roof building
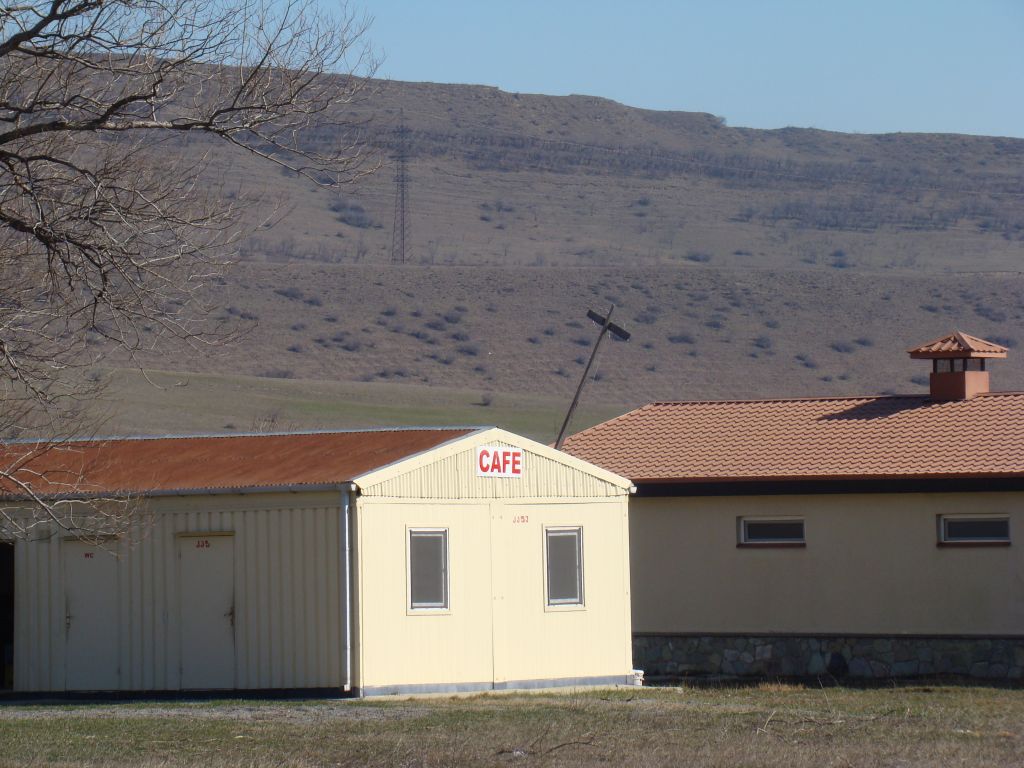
861, 536
959, 430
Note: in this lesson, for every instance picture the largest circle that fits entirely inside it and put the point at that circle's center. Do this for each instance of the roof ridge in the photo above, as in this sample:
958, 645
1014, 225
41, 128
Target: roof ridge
809, 399
962, 337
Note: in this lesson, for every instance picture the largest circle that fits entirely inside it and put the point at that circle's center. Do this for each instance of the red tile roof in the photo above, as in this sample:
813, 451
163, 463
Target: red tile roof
825, 438
169, 464
957, 344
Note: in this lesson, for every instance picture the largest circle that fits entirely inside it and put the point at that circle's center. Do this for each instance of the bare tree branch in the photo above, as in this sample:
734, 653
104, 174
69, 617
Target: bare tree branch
111, 112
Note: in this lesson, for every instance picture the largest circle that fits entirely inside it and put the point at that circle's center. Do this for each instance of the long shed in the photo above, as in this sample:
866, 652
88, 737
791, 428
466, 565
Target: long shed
376, 561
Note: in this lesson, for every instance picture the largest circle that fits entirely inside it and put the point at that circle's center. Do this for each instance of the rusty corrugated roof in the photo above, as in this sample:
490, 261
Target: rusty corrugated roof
959, 345
169, 464
821, 439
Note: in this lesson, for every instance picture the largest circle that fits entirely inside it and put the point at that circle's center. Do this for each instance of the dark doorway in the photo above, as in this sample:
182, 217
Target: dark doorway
6, 616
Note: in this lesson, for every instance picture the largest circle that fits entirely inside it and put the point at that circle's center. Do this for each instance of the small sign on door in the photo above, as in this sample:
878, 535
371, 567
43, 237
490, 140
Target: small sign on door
499, 461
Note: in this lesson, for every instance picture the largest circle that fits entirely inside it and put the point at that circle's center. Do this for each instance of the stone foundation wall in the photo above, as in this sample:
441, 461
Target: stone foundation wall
862, 657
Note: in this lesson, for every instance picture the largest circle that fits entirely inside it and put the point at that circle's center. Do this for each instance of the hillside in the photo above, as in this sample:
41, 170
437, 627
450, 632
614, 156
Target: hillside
747, 263
697, 332
513, 179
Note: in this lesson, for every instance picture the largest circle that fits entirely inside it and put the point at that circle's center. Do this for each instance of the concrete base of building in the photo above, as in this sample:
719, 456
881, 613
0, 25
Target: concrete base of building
837, 656
510, 685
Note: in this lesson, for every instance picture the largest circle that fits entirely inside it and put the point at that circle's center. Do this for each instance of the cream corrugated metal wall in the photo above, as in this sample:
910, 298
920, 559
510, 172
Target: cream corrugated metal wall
288, 589
454, 477
498, 629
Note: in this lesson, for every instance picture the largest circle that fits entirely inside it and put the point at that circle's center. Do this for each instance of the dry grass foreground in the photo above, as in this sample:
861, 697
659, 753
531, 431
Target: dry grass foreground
767, 725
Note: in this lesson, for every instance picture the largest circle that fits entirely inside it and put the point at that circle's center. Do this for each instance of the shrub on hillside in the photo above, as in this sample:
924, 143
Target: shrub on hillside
351, 213
990, 313
681, 338
648, 317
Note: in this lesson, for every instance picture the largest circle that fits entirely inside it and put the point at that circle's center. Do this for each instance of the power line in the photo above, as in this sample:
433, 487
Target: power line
400, 227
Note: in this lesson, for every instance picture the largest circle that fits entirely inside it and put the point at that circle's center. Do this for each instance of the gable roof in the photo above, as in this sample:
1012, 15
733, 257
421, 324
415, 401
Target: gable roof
120, 466
957, 344
892, 437
498, 436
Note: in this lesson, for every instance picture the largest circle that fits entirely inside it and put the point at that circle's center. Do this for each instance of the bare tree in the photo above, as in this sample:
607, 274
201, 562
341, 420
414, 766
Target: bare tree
114, 117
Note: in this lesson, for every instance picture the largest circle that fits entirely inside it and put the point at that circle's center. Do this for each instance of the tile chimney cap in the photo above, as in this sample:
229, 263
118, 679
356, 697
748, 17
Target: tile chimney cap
957, 345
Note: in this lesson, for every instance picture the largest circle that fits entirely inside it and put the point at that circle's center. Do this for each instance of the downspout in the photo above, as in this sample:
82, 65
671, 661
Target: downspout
347, 494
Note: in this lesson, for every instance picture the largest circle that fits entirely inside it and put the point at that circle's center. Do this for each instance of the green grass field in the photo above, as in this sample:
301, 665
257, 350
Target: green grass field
765, 725
164, 402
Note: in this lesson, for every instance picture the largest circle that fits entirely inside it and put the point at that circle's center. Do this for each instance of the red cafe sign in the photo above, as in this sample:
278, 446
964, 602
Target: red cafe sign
499, 461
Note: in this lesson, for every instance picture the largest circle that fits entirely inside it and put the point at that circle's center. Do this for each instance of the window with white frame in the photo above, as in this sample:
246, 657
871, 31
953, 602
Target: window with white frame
786, 531
564, 562
428, 568
974, 529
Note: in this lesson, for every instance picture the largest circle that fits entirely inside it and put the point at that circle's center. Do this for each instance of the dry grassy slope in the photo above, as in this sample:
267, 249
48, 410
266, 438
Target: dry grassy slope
747, 263
697, 332
501, 178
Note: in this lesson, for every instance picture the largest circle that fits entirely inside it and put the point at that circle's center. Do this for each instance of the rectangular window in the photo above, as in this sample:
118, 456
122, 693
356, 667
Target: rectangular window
974, 530
565, 565
428, 568
786, 531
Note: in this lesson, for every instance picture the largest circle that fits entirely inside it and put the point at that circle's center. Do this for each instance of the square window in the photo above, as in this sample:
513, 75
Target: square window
428, 568
974, 529
564, 556
788, 531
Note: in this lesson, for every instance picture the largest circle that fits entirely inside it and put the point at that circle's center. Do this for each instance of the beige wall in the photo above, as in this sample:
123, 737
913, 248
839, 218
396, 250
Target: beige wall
288, 596
498, 628
871, 565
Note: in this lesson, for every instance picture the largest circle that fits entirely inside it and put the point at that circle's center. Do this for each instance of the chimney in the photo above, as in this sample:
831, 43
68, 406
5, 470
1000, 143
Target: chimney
958, 365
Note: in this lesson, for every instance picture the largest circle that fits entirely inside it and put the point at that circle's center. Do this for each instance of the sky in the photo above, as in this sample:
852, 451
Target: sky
951, 66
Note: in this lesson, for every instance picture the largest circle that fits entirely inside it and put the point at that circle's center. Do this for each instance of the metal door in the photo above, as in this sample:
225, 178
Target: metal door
90, 617
206, 594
